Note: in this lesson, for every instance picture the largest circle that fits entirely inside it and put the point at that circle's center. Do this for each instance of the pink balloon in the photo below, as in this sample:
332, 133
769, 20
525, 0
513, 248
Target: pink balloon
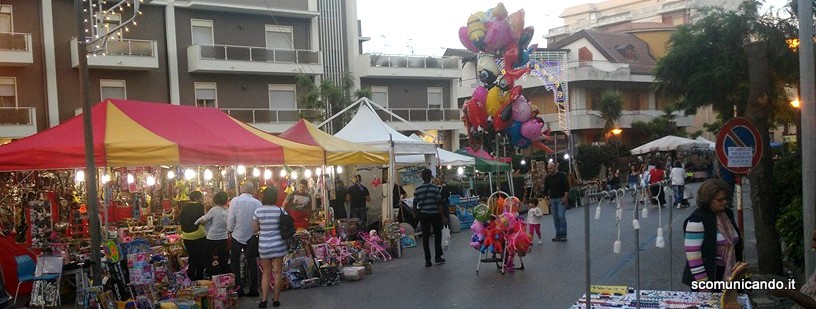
522, 111
498, 36
531, 129
463, 37
480, 94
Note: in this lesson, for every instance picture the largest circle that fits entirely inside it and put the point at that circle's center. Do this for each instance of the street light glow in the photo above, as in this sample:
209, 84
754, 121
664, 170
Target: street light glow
523, 161
616, 131
795, 103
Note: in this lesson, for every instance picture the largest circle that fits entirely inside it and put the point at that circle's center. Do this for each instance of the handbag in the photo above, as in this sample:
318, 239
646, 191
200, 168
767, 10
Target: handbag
446, 235
287, 225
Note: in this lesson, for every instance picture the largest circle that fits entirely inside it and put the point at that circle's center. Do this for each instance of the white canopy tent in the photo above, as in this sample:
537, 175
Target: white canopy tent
445, 157
711, 144
368, 129
669, 143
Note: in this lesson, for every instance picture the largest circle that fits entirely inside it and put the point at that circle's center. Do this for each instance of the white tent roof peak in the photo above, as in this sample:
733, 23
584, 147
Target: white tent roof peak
367, 128
669, 143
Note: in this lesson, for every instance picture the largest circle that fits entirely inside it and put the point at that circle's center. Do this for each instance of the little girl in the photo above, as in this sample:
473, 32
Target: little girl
534, 219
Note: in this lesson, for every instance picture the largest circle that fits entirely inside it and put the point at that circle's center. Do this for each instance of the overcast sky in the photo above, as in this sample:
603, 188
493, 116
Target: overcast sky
431, 26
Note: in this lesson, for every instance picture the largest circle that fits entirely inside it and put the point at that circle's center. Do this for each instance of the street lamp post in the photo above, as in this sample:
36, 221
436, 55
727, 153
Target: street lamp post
616, 133
797, 121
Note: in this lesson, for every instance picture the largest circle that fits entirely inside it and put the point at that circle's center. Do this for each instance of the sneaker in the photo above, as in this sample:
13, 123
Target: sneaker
563, 239
539, 241
440, 261
555, 238
428, 264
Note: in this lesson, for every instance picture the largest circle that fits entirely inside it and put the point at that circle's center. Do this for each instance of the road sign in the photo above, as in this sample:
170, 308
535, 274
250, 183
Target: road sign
739, 145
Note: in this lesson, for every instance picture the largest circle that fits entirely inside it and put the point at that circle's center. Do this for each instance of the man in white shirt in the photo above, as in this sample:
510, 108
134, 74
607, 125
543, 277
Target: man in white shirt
239, 224
678, 181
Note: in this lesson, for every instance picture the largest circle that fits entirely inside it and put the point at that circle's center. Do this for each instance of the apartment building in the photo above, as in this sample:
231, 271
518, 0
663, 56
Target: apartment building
241, 56
606, 14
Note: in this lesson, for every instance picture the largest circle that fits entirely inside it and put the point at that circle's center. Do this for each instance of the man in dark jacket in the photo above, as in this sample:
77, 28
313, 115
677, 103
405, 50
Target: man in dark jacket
556, 189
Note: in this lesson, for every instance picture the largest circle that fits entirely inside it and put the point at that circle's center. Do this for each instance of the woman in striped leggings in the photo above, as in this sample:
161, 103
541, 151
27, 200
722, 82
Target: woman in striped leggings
712, 239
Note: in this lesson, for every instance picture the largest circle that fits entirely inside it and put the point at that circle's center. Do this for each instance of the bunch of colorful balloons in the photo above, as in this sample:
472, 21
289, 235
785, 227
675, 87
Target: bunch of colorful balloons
495, 234
497, 105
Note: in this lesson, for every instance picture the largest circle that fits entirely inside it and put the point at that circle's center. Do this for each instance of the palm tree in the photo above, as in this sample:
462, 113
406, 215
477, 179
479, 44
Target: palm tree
327, 98
611, 109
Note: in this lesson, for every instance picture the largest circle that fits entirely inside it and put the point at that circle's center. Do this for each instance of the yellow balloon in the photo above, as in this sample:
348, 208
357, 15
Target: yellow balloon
493, 101
476, 30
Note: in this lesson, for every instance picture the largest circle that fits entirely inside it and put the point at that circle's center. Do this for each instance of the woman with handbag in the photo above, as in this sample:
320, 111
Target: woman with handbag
271, 245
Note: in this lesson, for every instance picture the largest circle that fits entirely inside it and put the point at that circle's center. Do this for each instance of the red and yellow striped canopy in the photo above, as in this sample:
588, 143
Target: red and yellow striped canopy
338, 150
131, 133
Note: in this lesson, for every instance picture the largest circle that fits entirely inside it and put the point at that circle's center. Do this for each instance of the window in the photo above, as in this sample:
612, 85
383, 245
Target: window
206, 95
106, 23
279, 37
112, 89
379, 94
202, 32
435, 97
8, 92
5, 19
282, 97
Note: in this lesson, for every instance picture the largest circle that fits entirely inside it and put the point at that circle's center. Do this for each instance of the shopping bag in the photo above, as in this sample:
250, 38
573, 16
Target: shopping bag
445, 238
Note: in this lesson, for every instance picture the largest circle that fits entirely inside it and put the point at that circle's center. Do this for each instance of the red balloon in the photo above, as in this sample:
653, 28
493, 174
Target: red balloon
476, 114
500, 124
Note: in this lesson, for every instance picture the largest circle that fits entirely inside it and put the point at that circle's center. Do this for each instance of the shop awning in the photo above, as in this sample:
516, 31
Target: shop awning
338, 150
132, 133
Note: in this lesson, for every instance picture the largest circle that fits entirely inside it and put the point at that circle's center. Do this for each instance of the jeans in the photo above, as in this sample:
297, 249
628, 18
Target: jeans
362, 214
559, 217
428, 222
678, 193
251, 254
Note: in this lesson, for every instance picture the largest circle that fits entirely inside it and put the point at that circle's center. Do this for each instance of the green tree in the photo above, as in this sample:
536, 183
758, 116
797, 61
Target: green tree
611, 108
739, 59
324, 100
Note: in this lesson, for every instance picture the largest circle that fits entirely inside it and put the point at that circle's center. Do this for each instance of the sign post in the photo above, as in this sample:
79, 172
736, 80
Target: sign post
739, 148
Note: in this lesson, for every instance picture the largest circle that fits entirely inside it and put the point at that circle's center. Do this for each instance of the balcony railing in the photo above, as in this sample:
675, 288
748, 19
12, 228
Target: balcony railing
258, 54
420, 114
17, 115
15, 41
260, 115
419, 62
143, 48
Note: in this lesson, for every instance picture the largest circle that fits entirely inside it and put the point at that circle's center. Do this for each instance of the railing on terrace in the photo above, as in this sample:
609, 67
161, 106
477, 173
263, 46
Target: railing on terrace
17, 115
258, 54
400, 61
260, 115
674, 5
420, 114
15, 41
127, 47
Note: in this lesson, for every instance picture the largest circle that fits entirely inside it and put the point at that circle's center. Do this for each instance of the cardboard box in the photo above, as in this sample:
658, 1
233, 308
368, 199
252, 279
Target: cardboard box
353, 273
224, 281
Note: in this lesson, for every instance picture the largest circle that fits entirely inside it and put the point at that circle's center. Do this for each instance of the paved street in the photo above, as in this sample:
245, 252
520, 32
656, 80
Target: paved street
553, 278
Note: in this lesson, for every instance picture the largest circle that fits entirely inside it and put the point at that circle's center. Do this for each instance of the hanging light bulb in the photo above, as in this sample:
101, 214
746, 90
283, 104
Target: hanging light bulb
294, 175
330, 170
256, 172
150, 181
449, 167
171, 175
460, 171
319, 171
240, 169
283, 172
80, 176
130, 179
523, 162
307, 173
267, 174
339, 169
189, 174
566, 156
208, 175
223, 172
105, 178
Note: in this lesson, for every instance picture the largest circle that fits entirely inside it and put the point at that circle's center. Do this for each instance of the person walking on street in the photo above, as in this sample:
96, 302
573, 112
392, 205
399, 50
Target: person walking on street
240, 217
556, 189
534, 217
271, 246
428, 203
216, 223
357, 195
678, 181
657, 175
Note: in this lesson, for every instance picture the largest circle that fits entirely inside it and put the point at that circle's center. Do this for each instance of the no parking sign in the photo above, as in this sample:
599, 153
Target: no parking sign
739, 145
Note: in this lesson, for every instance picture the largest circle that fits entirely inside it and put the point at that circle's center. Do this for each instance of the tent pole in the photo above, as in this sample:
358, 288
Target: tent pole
340, 112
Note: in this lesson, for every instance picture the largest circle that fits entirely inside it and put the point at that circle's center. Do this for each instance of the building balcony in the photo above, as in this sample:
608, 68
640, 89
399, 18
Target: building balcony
17, 122
558, 31
603, 71
273, 121
398, 66
584, 119
121, 55
15, 49
424, 118
252, 60
675, 6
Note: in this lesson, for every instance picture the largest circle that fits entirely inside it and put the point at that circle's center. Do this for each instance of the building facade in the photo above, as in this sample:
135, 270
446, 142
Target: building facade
241, 56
